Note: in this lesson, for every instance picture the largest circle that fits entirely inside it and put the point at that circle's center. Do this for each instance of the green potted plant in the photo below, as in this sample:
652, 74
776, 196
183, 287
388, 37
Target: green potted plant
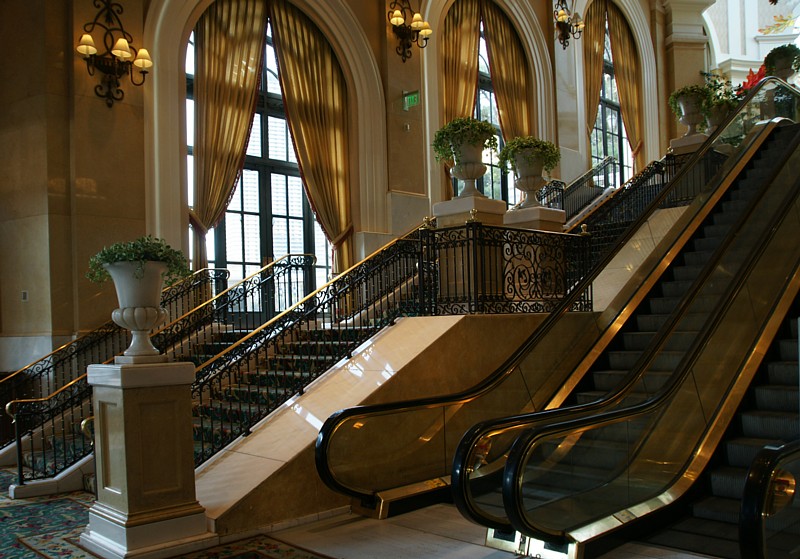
528, 157
453, 140
139, 251
686, 103
527, 150
139, 269
720, 100
783, 61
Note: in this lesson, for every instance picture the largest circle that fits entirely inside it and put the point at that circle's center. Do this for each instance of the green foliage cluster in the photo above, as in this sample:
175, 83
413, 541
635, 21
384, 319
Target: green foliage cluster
788, 50
700, 91
463, 130
141, 250
548, 152
719, 93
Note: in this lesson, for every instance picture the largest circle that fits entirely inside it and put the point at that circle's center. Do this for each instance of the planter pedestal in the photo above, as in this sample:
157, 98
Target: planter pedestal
687, 144
146, 505
458, 210
537, 217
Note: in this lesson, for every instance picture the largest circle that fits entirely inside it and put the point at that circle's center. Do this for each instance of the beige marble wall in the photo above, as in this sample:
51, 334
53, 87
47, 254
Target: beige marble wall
71, 173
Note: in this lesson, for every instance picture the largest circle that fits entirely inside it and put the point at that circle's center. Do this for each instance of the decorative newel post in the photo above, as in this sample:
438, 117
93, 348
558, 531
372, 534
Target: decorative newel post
144, 454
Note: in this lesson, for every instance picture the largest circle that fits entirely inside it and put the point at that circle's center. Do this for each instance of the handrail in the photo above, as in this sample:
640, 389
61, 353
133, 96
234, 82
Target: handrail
109, 324
769, 489
553, 424
333, 423
473, 437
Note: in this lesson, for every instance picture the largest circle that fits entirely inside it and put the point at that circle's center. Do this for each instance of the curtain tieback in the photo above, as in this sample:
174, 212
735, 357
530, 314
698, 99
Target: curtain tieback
637, 149
196, 224
342, 236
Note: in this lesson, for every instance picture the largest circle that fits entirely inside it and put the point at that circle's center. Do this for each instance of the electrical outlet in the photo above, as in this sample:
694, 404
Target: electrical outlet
24, 296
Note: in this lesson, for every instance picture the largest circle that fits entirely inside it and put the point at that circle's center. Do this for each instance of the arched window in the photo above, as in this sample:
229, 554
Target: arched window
494, 182
608, 136
268, 215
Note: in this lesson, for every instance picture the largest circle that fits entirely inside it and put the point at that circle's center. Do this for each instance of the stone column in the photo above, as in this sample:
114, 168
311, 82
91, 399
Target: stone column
146, 505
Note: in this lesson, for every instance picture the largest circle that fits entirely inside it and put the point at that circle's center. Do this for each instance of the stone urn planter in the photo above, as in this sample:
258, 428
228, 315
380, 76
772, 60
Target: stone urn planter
139, 297
529, 157
460, 144
783, 61
139, 269
687, 104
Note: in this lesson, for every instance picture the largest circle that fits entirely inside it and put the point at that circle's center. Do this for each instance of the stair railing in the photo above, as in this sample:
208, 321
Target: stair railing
68, 362
586, 188
46, 428
768, 519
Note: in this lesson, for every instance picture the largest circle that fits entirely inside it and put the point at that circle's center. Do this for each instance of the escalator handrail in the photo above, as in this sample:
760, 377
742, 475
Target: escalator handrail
551, 426
472, 436
756, 494
333, 422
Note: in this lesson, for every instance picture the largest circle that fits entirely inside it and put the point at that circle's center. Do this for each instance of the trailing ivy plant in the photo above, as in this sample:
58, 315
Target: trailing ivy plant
464, 130
719, 93
700, 91
141, 250
788, 50
546, 151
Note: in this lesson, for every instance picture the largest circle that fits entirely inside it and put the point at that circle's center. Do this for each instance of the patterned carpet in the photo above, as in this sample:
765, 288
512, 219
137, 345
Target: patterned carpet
51, 527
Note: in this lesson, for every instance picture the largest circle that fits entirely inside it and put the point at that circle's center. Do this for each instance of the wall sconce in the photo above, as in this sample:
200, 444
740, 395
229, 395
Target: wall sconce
119, 57
417, 31
568, 24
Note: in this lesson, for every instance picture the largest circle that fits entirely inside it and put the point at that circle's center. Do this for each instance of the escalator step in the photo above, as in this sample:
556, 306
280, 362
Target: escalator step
768, 424
778, 398
728, 482
700, 536
686, 273
719, 509
788, 350
783, 372
664, 360
741, 451
610, 379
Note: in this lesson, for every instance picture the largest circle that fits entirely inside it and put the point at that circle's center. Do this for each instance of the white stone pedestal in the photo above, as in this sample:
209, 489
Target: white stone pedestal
146, 505
537, 217
687, 144
458, 210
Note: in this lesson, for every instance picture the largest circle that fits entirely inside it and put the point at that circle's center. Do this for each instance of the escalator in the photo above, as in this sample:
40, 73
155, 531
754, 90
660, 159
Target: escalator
357, 457
628, 449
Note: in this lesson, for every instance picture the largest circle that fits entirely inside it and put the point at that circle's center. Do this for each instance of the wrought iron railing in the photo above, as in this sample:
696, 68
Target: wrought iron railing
455, 270
62, 366
47, 429
585, 189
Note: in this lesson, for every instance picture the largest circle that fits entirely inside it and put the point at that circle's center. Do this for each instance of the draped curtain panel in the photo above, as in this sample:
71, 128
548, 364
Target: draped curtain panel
459, 47
509, 71
229, 42
315, 97
593, 39
627, 73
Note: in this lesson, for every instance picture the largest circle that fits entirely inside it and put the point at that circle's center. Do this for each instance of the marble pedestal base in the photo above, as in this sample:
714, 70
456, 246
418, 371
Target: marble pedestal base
687, 144
459, 210
537, 217
146, 505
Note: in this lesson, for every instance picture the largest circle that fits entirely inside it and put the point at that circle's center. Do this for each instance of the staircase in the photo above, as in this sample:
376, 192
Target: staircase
768, 415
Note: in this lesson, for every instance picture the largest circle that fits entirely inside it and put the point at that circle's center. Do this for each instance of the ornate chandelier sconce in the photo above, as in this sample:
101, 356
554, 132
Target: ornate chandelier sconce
119, 57
415, 32
568, 24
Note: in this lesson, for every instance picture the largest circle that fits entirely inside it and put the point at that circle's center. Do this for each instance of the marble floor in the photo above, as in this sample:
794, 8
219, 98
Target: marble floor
436, 532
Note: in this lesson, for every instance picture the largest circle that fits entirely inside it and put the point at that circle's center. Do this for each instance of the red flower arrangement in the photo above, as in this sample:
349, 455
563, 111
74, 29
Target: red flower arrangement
750, 82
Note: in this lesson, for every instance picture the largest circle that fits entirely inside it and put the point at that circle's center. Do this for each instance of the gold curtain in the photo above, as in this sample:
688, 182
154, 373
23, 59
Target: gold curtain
627, 74
229, 42
460, 62
509, 71
315, 96
593, 39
